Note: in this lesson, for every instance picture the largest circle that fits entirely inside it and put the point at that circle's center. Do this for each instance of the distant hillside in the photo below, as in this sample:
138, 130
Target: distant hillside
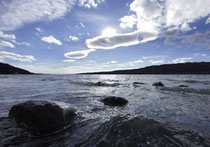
180, 68
8, 69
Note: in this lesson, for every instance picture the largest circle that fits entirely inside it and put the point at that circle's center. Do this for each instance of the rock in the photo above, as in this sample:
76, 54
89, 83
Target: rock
182, 86
114, 101
135, 83
158, 84
44, 115
99, 84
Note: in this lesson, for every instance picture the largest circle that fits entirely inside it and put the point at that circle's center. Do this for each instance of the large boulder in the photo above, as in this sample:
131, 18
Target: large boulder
158, 84
45, 115
114, 101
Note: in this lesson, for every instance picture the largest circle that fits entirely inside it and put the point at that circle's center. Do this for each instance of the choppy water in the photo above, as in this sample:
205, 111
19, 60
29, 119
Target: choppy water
155, 116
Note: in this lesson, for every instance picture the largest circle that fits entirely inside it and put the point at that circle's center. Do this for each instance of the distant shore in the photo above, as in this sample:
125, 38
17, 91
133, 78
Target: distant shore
180, 68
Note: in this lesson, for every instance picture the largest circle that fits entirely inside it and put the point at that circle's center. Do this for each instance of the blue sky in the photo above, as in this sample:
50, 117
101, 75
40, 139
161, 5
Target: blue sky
73, 36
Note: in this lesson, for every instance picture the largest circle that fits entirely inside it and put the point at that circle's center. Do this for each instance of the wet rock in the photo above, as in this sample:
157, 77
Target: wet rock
44, 115
182, 86
99, 84
138, 83
114, 101
158, 84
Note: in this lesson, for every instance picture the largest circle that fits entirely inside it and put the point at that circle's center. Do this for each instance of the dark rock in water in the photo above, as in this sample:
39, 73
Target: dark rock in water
99, 84
135, 83
44, 115
114, 101
158, 84
182, 86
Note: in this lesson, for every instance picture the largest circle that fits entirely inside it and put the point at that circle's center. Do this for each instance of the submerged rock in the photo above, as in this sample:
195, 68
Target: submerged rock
183, 86
158, 84
138, 83
45, 115
114, 101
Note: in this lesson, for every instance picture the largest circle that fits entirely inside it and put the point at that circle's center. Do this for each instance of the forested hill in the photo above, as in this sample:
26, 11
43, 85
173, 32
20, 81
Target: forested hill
8, 69
180, 68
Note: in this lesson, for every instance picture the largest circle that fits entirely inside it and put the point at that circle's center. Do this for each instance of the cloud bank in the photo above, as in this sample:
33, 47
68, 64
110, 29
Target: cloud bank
16, 57
154, 19
6, 44
198, 39
7, 36
15, 13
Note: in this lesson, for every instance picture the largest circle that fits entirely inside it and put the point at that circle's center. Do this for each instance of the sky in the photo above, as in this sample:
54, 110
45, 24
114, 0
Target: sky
77, 36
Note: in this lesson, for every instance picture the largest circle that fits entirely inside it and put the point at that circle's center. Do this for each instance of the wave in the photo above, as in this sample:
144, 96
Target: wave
4, 77
141, 132
194, 81
189, 81
51, 79
186, 90
117, 131
98, 84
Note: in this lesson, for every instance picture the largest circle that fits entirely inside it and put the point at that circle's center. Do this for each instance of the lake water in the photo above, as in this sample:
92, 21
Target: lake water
155, 116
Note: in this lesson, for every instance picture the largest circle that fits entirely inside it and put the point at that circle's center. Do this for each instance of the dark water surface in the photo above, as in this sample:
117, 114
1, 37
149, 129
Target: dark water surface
154, 116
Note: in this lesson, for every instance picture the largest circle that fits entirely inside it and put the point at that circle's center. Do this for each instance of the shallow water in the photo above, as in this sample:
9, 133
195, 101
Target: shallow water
155, 116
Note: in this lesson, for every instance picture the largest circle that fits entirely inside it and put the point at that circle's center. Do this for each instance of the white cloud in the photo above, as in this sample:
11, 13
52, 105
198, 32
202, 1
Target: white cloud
133, 63
198, 54
15, 13
78, 54
39, 30
181, 60
1, 60
148, 13
82, 25
185, 27
153, 17
160, 15
7, 36
117, 40
156, 61
6, 44
128, 21
69, 61
21, 43
154, 57
208, 20
185, 11
16, 57
73, 38
90, 3
51, 39
111, 62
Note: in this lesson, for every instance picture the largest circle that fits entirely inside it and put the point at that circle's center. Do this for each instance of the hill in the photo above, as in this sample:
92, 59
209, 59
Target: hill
180, 68
8, 69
